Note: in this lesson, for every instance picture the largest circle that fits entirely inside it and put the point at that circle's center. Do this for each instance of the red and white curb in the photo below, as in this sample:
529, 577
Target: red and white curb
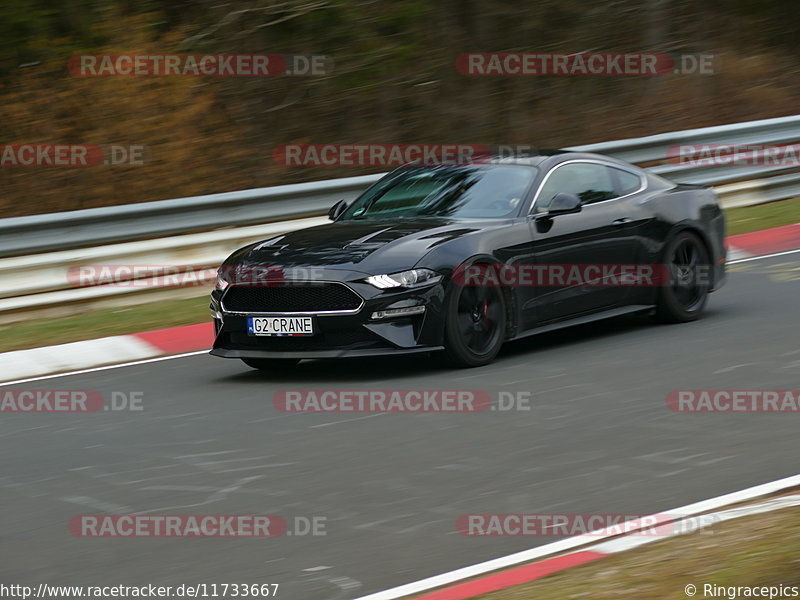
571, 552
117, 349
124, 349
760, 243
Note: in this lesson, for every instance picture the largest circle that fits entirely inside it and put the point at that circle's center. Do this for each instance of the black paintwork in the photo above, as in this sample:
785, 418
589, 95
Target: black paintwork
632, 229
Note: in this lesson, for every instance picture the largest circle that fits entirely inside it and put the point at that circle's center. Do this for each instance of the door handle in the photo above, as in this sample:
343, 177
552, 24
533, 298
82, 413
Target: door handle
621, 221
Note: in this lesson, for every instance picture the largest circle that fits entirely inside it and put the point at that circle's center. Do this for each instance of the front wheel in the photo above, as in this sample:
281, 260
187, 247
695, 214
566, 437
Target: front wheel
271, 364
684, 296
475, 325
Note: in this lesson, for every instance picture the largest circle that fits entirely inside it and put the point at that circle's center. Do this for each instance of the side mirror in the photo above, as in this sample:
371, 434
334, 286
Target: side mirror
336, 210
563, 204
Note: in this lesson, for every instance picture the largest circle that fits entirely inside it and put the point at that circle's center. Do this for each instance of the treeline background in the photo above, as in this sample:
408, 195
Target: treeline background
394, 81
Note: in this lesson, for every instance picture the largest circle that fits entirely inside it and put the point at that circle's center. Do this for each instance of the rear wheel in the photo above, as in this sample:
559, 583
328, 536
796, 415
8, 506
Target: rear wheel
271, 364
475, 325
684, 296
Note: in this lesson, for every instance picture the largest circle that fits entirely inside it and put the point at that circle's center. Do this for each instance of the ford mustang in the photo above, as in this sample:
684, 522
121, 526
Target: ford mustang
458, 259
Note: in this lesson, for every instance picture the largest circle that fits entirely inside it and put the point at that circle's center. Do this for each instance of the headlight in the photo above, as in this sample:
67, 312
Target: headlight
221, 282
406, 279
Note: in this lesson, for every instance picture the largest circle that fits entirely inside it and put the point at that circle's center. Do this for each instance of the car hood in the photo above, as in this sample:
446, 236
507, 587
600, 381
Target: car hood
370, 247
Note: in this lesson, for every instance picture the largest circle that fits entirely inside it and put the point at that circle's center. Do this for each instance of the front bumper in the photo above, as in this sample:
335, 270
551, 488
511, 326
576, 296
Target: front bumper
225, 353
339, 335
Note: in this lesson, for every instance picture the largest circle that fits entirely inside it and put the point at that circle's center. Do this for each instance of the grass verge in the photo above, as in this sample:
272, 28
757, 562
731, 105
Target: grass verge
763, 216
103, 322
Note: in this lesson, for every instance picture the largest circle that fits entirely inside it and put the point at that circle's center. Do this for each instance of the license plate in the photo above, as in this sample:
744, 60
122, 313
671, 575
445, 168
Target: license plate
283, 326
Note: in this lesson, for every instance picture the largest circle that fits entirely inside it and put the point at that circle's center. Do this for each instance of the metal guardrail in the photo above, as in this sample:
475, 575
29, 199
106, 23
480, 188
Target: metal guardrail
92, 227
655, 147
760, 191
52, 282
95, 226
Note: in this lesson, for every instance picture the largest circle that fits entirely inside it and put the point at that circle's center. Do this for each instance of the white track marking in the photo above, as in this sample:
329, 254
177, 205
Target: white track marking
105, 368
76, 355
575, 542
741, 260
629, 542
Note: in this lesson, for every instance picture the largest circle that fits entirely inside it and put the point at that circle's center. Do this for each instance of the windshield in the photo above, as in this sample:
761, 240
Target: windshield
493, 191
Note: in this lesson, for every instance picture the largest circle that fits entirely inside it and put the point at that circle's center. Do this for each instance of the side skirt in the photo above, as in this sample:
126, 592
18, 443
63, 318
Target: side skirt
598, 316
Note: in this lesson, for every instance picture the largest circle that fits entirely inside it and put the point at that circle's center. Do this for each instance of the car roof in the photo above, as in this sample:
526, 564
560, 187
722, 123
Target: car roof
558, 156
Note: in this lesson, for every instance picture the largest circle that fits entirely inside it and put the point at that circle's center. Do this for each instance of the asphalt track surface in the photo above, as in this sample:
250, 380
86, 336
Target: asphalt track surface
599, 438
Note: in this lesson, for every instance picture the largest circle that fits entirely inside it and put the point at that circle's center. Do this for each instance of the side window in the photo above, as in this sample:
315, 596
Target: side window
590, 182
627, 182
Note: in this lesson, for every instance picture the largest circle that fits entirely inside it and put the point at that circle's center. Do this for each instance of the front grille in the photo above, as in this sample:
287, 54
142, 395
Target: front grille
306, 297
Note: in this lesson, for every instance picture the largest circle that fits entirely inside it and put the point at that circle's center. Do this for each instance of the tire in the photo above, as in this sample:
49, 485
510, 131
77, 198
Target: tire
683, 298
271, 364
475, 325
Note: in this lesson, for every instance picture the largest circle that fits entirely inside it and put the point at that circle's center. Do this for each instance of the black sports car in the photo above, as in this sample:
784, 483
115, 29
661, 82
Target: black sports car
460, 258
